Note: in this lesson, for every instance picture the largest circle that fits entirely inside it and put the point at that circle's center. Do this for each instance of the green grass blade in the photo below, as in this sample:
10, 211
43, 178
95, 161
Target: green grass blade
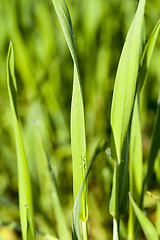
136, 144
78, 146
148, 228
147, 55
146, 58
124, 178
136, 156
78, 141
75, 220
63, 232
114, 204
135, 165
24, 185
30, 225
155, 144
119, 197
66, 24
126, 79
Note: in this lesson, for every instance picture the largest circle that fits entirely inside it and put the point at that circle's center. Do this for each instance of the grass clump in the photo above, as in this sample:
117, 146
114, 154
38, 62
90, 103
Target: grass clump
60, 122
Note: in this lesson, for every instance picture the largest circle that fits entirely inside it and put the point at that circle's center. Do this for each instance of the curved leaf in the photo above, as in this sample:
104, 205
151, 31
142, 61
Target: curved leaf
135, 164
136, 142
147, 54
126, 79
78, 139
75, 220
24, 185
148, 228
155, 145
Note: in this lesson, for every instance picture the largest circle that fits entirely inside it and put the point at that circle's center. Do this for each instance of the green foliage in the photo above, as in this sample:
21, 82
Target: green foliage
147, 226
101, 147
125, 83
78, 141
25, 195
135, 164
51, 106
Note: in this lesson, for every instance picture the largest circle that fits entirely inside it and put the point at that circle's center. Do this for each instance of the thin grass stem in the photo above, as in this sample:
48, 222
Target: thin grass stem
84, 231
115, 229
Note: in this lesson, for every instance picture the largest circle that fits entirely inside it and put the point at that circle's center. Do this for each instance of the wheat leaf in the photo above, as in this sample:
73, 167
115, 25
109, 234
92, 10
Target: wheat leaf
24, 185
126, 80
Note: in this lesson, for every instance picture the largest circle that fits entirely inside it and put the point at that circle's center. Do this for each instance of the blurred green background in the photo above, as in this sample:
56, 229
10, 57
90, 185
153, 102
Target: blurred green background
44, 72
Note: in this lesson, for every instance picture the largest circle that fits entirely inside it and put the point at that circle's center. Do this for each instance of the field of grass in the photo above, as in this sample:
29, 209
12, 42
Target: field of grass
79, 119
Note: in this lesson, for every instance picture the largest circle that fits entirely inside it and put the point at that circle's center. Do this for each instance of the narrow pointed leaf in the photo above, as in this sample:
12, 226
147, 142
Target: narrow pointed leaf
66, 24
62, 229
136, 157
114, 204
155, 145
135, 165
78, 139
147, 55
24, 185
136, 142
30, 225
145, 62
76, 210
119, 197
148, 228
126, 79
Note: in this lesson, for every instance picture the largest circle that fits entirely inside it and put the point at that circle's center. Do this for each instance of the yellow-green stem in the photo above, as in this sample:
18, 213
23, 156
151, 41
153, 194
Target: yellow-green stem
115, 229
84, 231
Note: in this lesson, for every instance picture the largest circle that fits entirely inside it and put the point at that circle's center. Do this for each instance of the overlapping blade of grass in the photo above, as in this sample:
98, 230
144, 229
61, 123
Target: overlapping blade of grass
101, 147
30, 225
125, 179
145, 62
136, 186
122, 105
120, 176
135, 165
119, 197
148, 228
136, 156
63, 232
24, 185
125, 83
147, 54
78, 141
155, 145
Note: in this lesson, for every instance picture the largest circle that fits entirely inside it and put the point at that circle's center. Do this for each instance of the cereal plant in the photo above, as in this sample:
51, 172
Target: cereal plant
79, 131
